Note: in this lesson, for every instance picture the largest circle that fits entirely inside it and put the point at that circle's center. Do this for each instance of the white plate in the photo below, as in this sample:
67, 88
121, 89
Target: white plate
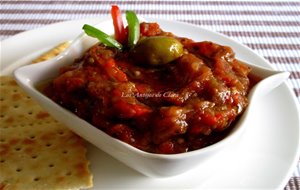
263, 158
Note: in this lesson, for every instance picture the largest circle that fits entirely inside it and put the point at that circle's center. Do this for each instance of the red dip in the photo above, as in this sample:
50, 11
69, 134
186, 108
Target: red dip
183, 105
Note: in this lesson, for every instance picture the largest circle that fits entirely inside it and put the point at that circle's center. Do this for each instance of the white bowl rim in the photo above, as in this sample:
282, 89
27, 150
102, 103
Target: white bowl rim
234, 131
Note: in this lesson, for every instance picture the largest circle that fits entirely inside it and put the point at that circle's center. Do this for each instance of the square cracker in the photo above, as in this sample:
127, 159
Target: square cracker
37, 152
52, 53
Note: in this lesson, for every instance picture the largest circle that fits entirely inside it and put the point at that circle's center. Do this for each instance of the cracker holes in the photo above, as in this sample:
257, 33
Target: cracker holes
1, 99
18, 149
2, 161
65, 152
36, 179
32, 136
2, 140
19, 169
51, 165
61, 132
34, 156
48, 144
16, 106
30, 112
68, 173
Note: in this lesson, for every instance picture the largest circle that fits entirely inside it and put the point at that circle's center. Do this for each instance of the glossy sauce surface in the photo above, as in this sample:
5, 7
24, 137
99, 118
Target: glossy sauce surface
174, 107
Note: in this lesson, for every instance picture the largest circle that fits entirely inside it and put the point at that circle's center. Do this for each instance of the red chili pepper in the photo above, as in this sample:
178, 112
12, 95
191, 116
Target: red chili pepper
124, 109
166, 147
122, 132
120, 34
114, 72
209, 119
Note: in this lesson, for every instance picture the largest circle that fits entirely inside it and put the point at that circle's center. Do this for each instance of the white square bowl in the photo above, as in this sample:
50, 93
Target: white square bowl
150, 164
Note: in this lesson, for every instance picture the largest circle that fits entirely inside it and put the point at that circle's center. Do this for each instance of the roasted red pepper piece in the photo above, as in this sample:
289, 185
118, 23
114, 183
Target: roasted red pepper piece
120, 34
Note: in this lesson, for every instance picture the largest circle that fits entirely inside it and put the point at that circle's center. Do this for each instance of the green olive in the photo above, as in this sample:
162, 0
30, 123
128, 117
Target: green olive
157, 50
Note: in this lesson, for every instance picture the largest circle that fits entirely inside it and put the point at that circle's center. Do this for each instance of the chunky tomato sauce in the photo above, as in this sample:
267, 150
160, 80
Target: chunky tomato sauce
180, 106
